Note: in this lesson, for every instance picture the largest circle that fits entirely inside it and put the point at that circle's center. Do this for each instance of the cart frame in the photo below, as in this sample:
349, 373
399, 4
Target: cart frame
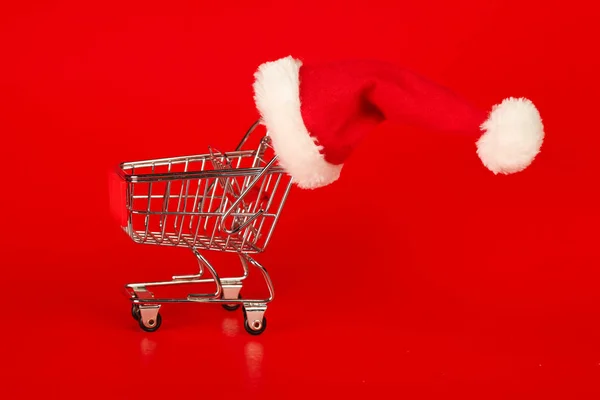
243, 194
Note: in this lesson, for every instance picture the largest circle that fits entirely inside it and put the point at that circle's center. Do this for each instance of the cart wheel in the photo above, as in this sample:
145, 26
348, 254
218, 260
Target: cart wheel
255, 328
135, 312
232, 307
153, 324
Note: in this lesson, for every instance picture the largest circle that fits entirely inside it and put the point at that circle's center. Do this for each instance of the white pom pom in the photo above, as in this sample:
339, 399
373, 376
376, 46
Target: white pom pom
512, 138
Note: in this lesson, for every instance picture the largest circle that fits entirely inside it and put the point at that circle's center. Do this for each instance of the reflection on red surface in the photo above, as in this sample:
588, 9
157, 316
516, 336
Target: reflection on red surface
231, 327
254, 359
147, 349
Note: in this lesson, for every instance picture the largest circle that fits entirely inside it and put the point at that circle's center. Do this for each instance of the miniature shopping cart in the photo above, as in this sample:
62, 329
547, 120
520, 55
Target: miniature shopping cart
227, 202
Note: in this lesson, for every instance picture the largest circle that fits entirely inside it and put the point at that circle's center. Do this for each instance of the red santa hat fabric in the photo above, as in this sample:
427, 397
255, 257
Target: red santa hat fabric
317, 114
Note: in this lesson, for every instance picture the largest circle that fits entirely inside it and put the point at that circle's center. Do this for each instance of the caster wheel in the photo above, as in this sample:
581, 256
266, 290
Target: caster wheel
153, 325
257, 329
232, 307
135, 312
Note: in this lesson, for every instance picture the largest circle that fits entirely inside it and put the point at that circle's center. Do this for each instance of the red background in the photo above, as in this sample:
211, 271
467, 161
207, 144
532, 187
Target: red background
418, 274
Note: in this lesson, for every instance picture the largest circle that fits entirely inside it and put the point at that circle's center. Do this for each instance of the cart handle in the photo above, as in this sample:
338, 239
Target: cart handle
247, 135
239, 200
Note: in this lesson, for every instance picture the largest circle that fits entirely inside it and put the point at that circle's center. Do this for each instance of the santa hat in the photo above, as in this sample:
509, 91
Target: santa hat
316, 115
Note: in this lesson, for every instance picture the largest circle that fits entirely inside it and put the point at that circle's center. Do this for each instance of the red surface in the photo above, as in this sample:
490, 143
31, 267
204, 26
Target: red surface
417, 275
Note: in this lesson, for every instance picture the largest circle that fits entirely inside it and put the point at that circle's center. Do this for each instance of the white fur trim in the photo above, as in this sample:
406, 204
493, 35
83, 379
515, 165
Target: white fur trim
277, 97
512, 138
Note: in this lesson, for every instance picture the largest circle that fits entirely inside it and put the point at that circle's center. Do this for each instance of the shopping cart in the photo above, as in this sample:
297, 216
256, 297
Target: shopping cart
227, 202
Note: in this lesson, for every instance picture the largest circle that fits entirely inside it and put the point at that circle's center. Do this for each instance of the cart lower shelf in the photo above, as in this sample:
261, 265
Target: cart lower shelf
145, 306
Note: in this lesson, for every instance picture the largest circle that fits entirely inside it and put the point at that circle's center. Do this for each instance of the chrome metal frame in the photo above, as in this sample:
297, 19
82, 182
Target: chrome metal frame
232, 203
